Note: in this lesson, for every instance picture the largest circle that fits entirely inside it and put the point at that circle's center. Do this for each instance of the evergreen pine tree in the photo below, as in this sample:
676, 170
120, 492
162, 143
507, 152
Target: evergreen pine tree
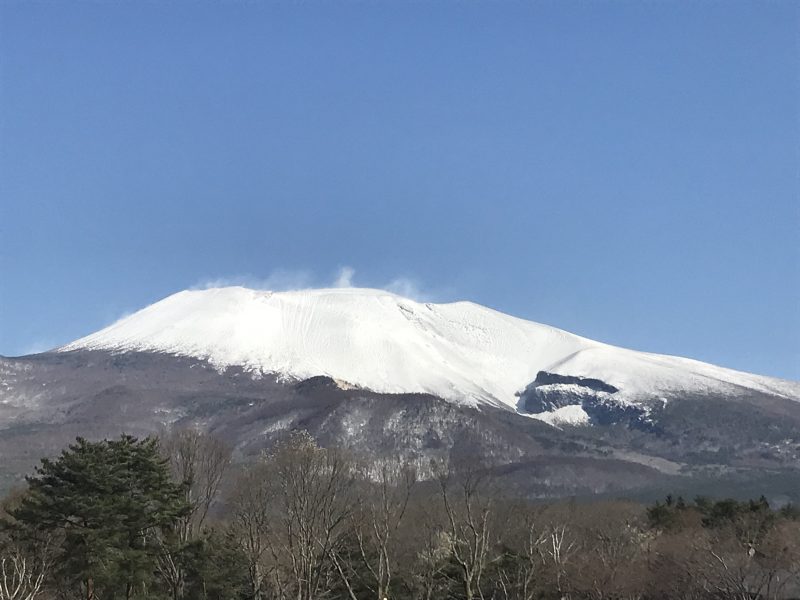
107, 498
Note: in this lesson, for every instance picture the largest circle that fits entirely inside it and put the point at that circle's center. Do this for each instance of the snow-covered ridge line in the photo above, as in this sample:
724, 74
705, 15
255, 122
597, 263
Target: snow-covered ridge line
377, 340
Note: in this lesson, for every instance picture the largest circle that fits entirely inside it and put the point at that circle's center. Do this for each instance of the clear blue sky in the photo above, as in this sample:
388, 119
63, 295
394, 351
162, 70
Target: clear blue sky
624, 170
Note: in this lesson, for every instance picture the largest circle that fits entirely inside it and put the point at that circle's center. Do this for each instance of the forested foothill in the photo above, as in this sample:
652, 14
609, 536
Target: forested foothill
173, 517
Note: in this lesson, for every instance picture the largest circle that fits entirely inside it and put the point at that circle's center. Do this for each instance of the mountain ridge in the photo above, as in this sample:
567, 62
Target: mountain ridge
554, 413
383, 342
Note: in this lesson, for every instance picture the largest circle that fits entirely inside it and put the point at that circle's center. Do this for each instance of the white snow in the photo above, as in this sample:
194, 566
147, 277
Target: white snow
566, 415
383, 342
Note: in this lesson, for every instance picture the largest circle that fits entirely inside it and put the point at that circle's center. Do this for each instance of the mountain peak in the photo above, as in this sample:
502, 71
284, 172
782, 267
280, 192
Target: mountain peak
380, 341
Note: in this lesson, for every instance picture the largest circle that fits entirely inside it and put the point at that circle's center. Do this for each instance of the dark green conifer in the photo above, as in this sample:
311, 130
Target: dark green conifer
108, 499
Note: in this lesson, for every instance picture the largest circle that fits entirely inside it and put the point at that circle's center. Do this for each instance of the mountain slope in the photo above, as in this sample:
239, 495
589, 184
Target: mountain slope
388, 344
385, 376
748, 443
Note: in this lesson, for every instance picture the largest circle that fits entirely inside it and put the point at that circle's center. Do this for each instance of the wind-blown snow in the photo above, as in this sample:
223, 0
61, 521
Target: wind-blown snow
386, 343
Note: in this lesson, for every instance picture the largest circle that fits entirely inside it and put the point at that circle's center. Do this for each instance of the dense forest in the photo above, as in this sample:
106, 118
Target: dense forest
175, 518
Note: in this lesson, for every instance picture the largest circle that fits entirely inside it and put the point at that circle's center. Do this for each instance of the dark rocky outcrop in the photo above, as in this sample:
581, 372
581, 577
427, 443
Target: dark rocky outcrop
551, 391
545, 378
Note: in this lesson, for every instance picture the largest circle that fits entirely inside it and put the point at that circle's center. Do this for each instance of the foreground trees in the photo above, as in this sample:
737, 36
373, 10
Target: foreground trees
171, 518
367, 555
26, 556
290, 511
467, 506
198, 462
24, 567
727, 549
106, 501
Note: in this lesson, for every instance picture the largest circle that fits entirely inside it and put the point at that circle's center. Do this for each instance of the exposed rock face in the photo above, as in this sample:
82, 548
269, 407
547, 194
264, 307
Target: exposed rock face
551, 391
692, 441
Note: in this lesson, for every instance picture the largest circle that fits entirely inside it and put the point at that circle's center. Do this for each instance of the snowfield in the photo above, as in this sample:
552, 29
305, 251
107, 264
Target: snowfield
377, 340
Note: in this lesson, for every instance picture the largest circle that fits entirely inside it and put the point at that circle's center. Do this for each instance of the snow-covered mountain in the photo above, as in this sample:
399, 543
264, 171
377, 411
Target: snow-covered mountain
384, 376
375, 340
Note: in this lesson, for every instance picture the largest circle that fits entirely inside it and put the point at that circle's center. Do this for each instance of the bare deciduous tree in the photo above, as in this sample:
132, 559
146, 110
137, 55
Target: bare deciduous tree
250, 505
524, 539
423, 550
290, 513
313, 505
21, 577
379, 511
467, 509
198, 461
610, 563
26, 556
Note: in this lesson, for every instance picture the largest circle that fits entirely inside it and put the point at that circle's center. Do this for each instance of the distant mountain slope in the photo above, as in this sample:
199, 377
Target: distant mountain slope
749, 443
382, 342
386, 376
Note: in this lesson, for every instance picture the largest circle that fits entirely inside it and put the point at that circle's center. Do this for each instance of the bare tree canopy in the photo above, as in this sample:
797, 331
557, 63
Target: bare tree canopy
305, 522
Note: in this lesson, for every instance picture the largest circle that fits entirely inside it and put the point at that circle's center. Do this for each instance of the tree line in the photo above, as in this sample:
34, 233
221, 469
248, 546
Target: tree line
174, 518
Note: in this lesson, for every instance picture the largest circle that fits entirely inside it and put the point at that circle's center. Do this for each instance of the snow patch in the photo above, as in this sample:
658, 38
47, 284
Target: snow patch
566, 415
